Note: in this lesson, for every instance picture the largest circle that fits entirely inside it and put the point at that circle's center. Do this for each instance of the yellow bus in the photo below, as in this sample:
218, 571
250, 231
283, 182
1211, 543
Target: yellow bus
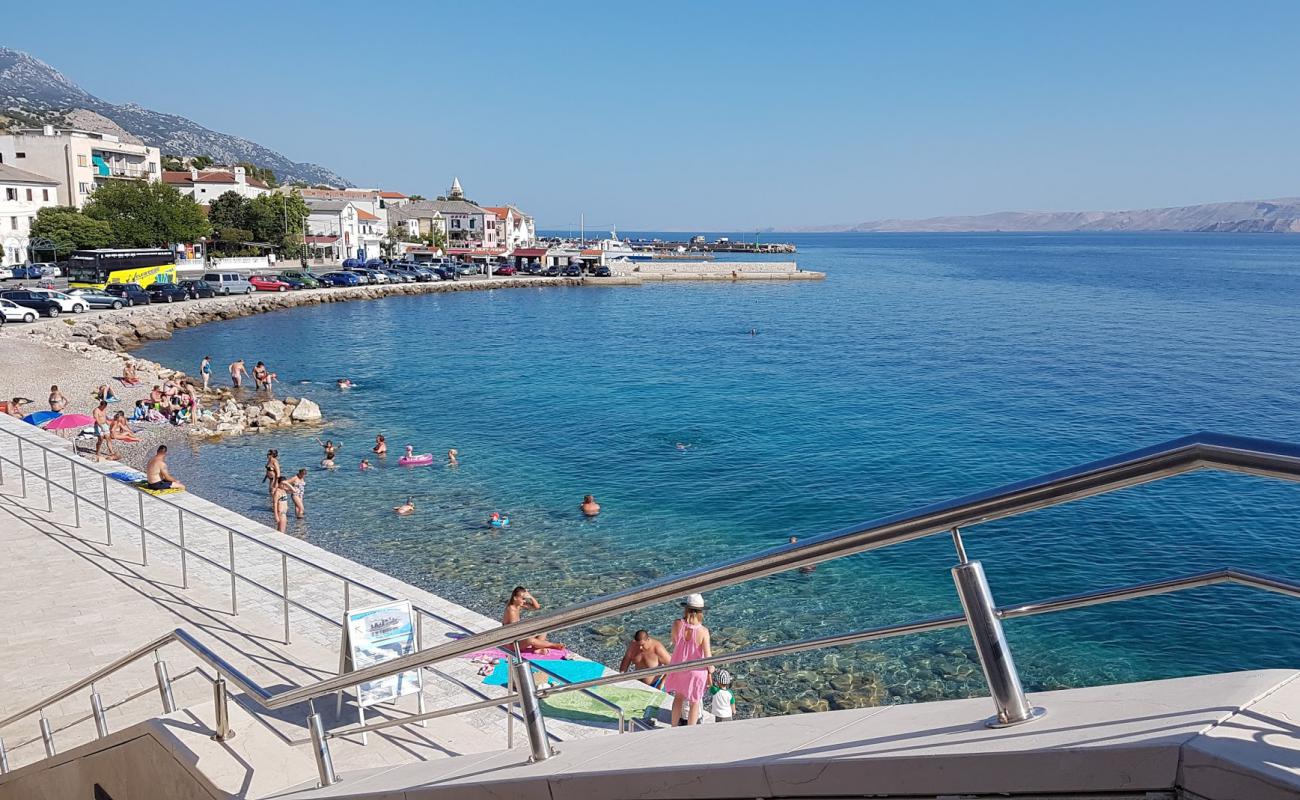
95, 269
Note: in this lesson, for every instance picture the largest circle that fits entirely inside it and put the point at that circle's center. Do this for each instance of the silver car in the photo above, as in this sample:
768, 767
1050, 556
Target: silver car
226, 283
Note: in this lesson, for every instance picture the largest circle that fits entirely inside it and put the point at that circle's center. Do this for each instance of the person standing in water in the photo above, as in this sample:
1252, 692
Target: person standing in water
280, 504
381, 446
589, 506
272, 476
690, 642
451, 458
297, 486
205, 369
237, 373
330, 451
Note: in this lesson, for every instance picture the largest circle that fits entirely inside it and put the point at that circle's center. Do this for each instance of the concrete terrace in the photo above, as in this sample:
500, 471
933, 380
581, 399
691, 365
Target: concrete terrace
74, 602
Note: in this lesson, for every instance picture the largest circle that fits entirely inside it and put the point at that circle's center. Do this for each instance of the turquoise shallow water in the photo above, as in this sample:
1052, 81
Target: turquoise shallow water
923, 368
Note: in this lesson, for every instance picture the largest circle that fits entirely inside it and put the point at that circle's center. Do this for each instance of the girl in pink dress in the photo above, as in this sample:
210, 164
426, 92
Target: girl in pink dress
690, 642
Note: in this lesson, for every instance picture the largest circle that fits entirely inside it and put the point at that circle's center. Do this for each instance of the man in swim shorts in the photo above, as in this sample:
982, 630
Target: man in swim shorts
102, 432
156, 474
237, 373
645, 652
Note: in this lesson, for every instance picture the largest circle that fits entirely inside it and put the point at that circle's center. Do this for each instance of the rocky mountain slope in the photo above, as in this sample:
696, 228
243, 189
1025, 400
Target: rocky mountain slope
1255, 216
31, 90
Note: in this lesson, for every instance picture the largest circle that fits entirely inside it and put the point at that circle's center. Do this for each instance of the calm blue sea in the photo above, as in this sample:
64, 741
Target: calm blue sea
924, 367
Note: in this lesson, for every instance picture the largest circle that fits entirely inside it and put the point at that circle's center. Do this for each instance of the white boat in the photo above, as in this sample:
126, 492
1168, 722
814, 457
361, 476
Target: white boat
616, 249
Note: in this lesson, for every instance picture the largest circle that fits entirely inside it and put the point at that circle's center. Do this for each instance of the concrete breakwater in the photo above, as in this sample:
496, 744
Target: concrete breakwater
650, 271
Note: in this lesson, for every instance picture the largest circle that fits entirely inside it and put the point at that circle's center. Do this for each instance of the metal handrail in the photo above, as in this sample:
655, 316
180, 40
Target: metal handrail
1199, 451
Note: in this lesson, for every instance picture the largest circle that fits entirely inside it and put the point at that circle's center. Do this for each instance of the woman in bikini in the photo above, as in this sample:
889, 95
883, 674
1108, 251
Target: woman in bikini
331, 450
119, 430
128, 374
381, 446
272, 476
280, 504
57, 401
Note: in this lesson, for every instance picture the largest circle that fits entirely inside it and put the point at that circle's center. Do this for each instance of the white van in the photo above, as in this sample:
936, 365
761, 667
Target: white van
228, 283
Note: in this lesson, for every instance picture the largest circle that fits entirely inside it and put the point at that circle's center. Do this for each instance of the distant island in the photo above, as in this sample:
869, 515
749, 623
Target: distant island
1247, 216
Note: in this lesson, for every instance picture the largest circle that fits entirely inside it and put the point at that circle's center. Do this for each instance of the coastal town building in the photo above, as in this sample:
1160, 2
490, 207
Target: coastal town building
514, 228
207, 185
340, 229
22, 194
79, 161
417, 219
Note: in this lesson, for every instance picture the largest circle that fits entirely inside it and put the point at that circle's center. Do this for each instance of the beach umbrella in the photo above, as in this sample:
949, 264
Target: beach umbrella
40, 417
65, 422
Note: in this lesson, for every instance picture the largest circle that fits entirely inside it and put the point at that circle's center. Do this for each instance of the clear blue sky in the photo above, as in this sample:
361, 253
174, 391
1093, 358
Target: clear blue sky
692, 115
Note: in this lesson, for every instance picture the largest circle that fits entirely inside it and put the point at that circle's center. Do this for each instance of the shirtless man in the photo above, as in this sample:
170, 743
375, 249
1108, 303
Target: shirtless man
645, 652
103, 432
405, 509
237, 373
522, 600
156, 473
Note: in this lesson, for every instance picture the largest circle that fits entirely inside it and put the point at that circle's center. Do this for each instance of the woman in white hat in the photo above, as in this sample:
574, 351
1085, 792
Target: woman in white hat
690, 642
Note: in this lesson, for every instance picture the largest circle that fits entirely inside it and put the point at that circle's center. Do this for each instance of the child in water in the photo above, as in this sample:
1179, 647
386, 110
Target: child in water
365, 464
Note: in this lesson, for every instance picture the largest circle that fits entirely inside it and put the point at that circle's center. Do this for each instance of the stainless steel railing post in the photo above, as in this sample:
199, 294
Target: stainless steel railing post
144, 537
284, 587
22, 469
185, 567
76, 497
164, 685
1013, 708
320, 748
47, 736
97, 711
108, 515
221, 710
234, 588
45, 465
510, 710
4, 758
538, 745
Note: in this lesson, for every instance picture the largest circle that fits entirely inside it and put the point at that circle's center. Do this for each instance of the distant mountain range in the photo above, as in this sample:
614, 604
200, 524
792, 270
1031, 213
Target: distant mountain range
1248, 216
32, 91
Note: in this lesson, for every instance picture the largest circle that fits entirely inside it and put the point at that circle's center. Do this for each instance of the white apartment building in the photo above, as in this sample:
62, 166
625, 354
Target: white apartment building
514, 228
207, 185
339, 229
22, 194
79, 161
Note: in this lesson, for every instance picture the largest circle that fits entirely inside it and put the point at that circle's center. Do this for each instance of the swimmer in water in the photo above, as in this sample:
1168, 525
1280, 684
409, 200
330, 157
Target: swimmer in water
589, 506
344, 383
681, 445
381, 446
365, 464
753, 331
405, 509
451, 458
806, 569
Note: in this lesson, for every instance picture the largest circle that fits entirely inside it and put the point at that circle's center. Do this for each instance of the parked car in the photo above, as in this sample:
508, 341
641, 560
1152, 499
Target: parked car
342, 278
227, 283
446, 272
376, 263
505, 269
571, 271
97, 299
198, 288
350, 264
602, 272
553, 271
398, 276
132, 293
27, 272
307, 278
268, 283
67, 303
531, 268
166, 292
372, 275
36, 302
12, 312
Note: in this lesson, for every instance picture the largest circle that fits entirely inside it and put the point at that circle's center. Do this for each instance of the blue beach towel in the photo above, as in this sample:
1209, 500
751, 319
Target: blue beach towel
571, 671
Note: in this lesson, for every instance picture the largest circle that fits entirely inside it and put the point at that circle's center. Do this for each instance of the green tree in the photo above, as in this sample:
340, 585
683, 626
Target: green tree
230, 241
69, 229
277, 219
147, 214
201, 162
416, 197
228, 210
173, 163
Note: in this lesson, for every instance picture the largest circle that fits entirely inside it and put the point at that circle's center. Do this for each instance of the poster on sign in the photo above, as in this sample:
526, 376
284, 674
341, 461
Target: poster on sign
377, 634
